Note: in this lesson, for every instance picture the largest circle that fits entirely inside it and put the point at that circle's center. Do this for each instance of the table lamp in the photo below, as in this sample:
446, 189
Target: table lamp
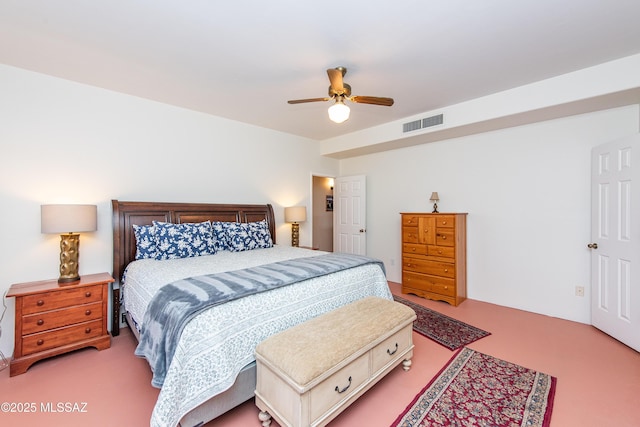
295, 215
434, 198
68, 220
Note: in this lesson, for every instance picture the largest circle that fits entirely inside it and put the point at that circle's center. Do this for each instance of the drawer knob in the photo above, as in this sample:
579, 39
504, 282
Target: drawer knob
87, 294
40, 303
339, 390
88, 312
40, 342
446, 270
439, 251
40, 322
444, 237
87, 330
444, 222
391, 353
413, 249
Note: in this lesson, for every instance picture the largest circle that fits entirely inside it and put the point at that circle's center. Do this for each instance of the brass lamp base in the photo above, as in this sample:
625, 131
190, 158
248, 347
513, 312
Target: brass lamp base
69, 253
295, 234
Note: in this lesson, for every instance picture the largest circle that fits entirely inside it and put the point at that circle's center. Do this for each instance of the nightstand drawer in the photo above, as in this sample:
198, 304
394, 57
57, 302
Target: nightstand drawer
59, 299
57, 318
62, 336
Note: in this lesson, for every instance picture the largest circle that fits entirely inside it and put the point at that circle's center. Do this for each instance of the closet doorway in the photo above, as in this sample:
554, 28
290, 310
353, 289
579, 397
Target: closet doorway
322, 215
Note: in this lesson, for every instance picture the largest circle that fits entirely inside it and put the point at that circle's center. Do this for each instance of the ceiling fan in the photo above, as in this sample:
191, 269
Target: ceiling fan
339, 91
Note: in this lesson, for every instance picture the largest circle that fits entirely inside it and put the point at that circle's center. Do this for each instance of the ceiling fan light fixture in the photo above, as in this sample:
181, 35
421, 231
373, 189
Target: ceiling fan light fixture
339, 112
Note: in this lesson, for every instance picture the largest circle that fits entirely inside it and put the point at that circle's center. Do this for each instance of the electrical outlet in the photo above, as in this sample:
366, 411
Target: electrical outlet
579, 291
124, 318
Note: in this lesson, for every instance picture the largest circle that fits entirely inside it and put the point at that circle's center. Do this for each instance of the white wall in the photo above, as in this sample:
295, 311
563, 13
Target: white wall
526, 188
62, 142
527, 192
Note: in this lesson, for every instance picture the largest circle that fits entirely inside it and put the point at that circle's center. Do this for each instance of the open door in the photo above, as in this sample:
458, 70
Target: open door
615, 244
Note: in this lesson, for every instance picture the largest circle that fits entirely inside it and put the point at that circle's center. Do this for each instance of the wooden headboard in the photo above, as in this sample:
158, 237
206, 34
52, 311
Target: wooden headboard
126, 214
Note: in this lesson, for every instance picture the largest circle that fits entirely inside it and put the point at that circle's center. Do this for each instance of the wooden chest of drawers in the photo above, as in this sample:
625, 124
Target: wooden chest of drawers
434, 256
53, 318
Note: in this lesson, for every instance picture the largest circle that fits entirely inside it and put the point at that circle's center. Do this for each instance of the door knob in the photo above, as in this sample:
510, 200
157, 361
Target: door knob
362, 230
592, 246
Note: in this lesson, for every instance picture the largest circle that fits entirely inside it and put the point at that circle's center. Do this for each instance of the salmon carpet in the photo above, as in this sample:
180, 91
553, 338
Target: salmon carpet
475, 389
442, 329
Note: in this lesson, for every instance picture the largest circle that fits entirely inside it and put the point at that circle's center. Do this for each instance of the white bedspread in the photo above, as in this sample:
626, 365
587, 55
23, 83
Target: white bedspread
219, 342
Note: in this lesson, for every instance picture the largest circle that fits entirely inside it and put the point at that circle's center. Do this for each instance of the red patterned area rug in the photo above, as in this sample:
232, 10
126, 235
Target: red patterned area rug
475, 389
442, 329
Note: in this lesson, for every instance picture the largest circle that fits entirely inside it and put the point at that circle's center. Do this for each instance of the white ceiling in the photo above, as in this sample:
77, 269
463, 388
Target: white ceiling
244, 59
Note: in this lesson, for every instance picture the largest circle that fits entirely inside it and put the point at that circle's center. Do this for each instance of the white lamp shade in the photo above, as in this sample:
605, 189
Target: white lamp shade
434, 197
58, 219
339, 112
295, 214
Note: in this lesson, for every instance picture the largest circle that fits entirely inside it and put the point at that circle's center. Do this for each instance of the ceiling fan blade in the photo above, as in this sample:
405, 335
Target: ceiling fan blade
335, 76
387, 102
300, 101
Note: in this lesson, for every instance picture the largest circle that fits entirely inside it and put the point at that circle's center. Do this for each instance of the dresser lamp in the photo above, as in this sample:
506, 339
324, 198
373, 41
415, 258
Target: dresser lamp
434, 198
295, 215
68, 221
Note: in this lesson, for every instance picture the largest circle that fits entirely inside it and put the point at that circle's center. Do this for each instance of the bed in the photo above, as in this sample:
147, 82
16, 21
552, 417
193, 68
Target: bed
213, 369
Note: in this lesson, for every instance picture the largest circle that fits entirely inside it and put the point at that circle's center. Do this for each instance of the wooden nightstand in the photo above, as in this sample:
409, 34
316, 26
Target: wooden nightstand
54, 318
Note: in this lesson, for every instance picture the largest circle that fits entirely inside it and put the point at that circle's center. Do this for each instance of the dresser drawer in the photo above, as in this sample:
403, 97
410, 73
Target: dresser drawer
414, 248
442, 286
441, 251
58, 337
59, 299
426, 282
391, 348
339, 386
410, 220
445, 221
437, 268
410, 234
39, 322
445, 237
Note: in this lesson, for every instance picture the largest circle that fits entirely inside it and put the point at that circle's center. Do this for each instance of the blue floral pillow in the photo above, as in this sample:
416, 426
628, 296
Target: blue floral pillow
184, 240
247, 236
145, 241
220, 235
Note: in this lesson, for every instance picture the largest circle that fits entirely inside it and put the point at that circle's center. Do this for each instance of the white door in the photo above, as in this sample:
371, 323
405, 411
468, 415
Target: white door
349, 215
615, 245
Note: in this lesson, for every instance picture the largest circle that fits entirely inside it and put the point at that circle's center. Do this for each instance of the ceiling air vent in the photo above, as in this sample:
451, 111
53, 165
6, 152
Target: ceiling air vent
432, 121
415, 125
423, 123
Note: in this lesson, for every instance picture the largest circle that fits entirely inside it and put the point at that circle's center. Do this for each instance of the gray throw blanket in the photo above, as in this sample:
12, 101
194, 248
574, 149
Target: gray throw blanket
176, 303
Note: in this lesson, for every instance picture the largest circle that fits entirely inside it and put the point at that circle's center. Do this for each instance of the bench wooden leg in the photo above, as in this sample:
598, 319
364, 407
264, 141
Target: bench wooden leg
265, 418
406, 364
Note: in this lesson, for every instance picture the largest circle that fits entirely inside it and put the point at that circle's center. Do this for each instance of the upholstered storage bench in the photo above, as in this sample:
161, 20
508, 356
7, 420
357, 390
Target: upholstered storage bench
308, 374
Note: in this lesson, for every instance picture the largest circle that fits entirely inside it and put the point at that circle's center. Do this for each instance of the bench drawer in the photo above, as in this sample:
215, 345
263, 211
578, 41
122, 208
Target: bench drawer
339, 386
392, 348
